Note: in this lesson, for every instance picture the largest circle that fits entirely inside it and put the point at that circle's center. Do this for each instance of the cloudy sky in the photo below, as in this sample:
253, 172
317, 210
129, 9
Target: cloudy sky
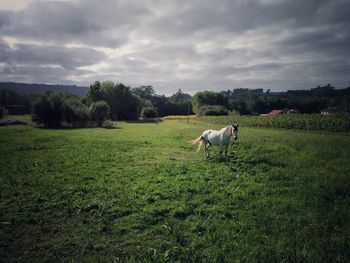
192, 45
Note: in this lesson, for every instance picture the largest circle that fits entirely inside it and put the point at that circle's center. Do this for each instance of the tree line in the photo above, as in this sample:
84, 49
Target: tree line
256, 101
103, 101
116, 101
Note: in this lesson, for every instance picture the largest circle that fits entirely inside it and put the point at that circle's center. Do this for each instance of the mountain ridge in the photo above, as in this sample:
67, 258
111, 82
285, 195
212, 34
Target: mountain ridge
35, 88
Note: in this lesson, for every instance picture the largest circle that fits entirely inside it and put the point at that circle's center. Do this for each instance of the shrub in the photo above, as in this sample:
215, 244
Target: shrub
234, 113
149, 112
99, 112
57, 110
75, 113
212, 110
108, 124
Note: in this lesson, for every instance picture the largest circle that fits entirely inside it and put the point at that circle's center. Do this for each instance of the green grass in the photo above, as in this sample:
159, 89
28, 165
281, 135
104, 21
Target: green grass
141, 193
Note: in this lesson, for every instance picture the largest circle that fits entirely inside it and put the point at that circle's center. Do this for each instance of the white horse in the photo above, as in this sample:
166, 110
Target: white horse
220, 138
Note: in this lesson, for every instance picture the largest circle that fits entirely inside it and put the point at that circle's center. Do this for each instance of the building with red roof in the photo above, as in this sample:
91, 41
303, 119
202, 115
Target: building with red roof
274, 113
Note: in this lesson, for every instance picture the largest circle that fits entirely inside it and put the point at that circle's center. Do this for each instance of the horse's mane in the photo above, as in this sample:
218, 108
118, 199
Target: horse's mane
228, 130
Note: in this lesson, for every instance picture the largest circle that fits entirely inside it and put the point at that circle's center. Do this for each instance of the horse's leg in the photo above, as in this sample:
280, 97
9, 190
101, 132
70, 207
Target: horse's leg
226, 148
221, 147
207, 145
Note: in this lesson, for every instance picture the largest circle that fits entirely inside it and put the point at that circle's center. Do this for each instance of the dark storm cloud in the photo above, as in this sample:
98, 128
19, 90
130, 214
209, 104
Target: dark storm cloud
193, 45
168, 52
325, 41
240, 16
38, 74
90, 22
230, 70
5, 18
68, 58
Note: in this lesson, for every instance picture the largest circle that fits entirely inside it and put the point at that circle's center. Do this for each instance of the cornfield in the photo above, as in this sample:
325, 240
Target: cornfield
310, 122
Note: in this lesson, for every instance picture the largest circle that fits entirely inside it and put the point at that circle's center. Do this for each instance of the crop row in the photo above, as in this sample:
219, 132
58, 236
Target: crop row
315, 122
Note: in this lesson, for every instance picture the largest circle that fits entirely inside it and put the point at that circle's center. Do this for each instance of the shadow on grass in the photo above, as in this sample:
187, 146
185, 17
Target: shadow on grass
245, 162
219, 159
77, 128
110, 128
255, 162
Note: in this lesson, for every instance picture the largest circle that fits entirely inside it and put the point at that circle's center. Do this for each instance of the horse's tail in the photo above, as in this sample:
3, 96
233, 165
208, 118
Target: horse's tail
199, 141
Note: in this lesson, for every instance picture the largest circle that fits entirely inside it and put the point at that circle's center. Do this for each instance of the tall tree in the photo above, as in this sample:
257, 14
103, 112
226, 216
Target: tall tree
123, 103
179, 97
95, 93
145, 92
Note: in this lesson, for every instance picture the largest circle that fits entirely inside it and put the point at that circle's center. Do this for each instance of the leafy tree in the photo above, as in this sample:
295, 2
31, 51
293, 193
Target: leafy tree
258, 106
208, 98
324, 91
10, 97
94, 94
75, 112
105, 85
240, 105
160, 104
57, 109
176, 104
48, 109
123, 103
99, 112
145, 92
179, 97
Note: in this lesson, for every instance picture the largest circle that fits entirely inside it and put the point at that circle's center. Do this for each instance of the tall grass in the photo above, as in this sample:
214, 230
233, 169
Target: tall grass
315, 122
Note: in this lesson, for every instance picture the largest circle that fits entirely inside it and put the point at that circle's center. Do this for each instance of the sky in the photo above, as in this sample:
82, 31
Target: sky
190, 45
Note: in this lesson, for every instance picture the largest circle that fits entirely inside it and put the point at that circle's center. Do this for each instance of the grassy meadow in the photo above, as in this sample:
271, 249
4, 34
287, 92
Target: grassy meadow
140, 193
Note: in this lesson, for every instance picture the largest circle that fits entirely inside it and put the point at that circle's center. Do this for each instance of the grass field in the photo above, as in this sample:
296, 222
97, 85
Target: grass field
141, 193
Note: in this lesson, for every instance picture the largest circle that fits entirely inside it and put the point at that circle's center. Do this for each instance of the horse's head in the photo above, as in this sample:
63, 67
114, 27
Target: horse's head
235, 131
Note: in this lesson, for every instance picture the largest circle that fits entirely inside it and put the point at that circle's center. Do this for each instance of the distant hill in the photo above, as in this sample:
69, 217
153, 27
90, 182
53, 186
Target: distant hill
27, 89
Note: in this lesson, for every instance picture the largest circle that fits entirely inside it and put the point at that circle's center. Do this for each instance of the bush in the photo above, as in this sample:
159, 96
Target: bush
57, 110
149, 112
3, 112
234, 113
212, 110
108, 124
75, 113
99, 112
